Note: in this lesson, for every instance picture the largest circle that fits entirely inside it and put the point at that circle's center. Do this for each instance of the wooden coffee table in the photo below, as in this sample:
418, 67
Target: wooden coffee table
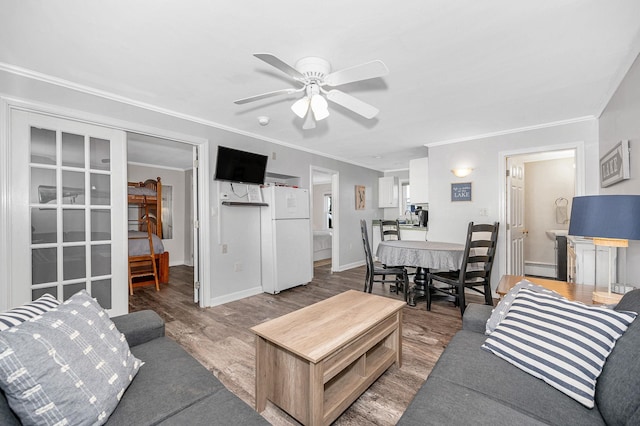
314, 362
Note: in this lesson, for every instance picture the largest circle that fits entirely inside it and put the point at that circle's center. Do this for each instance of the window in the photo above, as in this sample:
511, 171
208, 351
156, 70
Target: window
405, 198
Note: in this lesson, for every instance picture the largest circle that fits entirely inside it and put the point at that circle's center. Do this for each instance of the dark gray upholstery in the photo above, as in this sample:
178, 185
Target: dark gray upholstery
170, 388
617, 391
472, 386
475, 317
140, 327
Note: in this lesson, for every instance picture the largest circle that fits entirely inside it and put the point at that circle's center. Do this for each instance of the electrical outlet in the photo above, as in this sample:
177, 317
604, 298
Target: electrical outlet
223, 247
237, 267
483, 212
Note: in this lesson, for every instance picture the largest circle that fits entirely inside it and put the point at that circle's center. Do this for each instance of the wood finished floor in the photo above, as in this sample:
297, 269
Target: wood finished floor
219, 337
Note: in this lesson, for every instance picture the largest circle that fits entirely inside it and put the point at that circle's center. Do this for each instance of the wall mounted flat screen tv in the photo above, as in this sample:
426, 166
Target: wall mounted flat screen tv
240, 166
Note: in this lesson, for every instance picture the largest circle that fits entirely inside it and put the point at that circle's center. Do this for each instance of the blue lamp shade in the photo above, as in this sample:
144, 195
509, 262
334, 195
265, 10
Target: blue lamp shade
606, 216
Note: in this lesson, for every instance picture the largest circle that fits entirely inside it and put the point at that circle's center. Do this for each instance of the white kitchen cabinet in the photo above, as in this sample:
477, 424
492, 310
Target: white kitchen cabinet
388, 191
588, 263
419, 180
413, 233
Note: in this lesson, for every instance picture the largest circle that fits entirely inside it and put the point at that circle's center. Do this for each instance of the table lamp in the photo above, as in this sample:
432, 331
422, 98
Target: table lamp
611, 220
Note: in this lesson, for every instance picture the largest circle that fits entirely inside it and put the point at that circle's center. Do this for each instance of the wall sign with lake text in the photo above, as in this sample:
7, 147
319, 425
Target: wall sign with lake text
614, 165
461, 191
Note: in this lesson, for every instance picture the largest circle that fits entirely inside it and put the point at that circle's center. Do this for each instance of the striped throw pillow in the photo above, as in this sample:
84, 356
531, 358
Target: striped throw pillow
28, 311
562, 342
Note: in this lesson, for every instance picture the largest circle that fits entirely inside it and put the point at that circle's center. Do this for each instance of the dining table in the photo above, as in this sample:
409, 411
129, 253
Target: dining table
424, 255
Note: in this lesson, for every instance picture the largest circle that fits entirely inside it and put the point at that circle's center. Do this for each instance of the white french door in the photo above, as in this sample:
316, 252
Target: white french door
68, 216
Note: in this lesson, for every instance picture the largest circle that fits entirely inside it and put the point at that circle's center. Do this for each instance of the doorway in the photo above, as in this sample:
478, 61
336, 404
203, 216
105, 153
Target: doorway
324, 215
537, 189
173, 163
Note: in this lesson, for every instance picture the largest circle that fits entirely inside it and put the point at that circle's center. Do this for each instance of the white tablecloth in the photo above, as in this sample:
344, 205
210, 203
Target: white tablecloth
426, 254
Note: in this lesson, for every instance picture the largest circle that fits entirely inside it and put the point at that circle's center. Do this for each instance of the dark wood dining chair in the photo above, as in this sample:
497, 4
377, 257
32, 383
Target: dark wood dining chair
475, 271
399, 273
389, 230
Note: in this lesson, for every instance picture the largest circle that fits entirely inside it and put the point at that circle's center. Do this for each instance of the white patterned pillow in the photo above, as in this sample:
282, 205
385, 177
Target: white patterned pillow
500, 311
30, 310
562, 342
69, 366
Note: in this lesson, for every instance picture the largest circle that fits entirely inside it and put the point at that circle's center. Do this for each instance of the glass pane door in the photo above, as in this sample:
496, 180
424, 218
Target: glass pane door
71, 188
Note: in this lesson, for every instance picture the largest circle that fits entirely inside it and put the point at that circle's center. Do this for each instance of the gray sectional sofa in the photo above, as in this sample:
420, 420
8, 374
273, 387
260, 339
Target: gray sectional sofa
471, 386
171, 388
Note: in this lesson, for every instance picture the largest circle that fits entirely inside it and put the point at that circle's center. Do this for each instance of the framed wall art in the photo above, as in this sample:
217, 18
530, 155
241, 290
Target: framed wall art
360, 197
614, 165
461, 191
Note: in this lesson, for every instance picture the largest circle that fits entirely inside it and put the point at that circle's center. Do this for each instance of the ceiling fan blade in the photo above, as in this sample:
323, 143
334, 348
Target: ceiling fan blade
353, 104
364, 71
280, 64
309, 122
266, 95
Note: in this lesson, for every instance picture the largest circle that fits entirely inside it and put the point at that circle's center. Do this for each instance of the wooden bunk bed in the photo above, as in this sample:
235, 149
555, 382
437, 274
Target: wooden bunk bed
145, 234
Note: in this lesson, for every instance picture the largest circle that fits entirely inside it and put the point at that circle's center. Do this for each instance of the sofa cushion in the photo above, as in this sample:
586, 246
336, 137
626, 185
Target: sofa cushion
563, 343
27, 311
465, 363
72, 356
441, 402
7, 416
221, 408
475, 317
140, 327
617, 393
171, 381
501, 309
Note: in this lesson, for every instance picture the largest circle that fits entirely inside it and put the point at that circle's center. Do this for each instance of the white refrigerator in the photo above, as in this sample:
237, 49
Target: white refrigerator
285, 228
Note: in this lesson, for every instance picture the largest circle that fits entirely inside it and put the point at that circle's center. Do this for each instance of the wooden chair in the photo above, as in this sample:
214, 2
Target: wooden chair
389, 230
400, 274
143, 265
475, 271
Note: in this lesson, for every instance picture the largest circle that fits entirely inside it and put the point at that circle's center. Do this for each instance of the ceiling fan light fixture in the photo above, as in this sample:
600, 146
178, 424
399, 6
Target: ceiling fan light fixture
300, 107
320, 107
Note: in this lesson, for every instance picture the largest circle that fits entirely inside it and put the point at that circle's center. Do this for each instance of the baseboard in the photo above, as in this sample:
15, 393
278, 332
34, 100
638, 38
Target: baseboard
234, 296
540, 269
348, 266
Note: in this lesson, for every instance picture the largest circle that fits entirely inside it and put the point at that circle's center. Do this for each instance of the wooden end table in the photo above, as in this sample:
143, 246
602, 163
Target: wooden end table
571, 291
314, 362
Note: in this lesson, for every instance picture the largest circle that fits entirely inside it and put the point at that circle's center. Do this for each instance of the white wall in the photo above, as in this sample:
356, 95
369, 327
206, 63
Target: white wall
448, 220
546, 181
621, 120
176, 179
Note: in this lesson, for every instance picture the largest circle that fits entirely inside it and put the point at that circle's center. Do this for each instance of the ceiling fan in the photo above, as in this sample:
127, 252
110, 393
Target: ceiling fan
314, 74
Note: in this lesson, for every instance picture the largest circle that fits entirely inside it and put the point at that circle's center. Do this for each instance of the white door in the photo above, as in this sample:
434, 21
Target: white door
68, 216
516, 230
196, 227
